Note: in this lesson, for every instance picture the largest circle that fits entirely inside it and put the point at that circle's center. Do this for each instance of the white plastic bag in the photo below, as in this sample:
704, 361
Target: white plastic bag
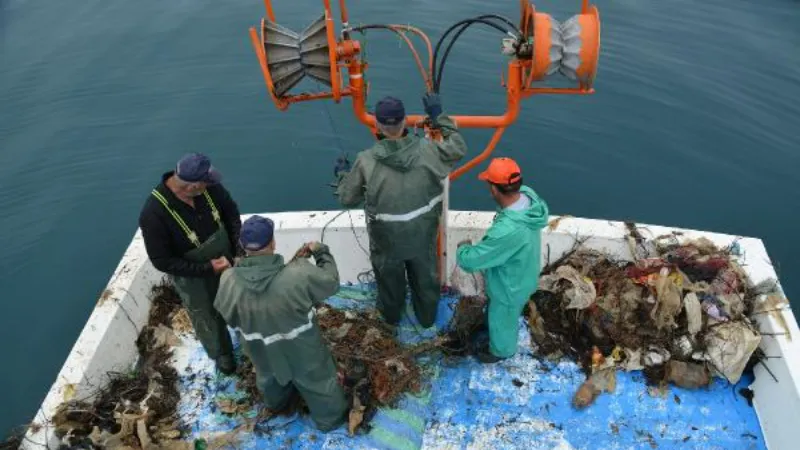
581, 293
729, 347
467, 284
693, 313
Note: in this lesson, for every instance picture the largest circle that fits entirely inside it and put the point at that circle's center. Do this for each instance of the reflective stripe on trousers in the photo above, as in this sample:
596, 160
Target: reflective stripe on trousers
410, 215
273, 338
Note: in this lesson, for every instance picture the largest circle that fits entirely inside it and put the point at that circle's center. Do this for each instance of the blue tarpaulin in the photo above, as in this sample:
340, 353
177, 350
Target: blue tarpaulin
518, 403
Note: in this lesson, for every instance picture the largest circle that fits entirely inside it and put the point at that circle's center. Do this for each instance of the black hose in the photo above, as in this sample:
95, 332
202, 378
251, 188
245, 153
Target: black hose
374, 26
462, 22
503, 18
438, 68
438, 81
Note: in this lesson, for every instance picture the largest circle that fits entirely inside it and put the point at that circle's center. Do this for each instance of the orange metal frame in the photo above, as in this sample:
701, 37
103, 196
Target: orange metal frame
343, 53
521, 74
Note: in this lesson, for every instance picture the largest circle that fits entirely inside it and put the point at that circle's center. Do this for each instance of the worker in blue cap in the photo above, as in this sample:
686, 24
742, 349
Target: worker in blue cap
190, 225
271, 305
399, 181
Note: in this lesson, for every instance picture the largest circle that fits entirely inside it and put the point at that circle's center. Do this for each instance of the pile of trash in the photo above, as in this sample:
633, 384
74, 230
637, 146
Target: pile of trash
375, 368
136, 409
681, 316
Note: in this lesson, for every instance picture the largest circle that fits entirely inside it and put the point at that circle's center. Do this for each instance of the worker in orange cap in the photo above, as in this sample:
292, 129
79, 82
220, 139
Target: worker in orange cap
509, 255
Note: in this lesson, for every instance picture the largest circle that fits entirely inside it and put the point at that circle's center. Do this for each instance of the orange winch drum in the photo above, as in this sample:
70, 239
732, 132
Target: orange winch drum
543, 60
590, 50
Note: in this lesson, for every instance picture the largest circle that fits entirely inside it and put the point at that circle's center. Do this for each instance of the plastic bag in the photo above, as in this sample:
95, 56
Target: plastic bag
581, 294
687, 375
669, 300
694, 314
468, 284
729, 347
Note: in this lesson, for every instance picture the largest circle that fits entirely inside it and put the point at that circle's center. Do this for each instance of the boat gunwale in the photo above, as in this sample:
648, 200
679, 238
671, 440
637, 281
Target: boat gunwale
111, 330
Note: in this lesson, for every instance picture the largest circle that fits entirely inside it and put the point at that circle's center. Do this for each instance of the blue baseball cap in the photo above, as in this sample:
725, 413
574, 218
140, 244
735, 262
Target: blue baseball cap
390, 111
196, 167
256, 233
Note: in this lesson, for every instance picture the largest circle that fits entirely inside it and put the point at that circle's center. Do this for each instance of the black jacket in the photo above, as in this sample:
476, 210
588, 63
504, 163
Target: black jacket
165, 241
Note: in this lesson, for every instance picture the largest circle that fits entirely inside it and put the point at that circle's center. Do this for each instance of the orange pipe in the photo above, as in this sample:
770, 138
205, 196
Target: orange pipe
571, 91
514, 92
314, 96
270, 12
258, 45
332, 45
425, 38
498, 133
426, 77
343, 8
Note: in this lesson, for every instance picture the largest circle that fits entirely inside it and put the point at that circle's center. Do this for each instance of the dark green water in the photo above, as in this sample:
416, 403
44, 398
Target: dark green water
696, 123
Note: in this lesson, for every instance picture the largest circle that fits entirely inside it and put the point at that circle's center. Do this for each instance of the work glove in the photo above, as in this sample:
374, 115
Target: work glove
433, 105
342, 166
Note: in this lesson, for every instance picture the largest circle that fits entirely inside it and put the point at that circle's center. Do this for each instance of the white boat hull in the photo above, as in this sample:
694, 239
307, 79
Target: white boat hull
107, 342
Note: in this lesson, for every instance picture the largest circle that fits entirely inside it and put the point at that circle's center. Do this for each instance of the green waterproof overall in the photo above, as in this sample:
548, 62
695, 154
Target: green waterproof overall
509, 255
271, 306
197, 294
400, 183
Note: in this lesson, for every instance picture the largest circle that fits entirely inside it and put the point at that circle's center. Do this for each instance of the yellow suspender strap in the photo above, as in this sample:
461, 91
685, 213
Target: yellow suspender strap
191, 235
214, 212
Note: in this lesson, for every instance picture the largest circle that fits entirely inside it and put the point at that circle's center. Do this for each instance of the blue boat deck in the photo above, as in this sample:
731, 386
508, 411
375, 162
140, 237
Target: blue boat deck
518, 403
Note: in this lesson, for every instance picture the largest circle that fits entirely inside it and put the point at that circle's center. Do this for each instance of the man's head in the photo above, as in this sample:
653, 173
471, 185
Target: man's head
257, 235
505, 180
194, 173
390, 117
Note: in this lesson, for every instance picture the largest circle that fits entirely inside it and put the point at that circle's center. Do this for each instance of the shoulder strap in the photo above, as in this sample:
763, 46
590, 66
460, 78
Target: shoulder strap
214, 210
191, 235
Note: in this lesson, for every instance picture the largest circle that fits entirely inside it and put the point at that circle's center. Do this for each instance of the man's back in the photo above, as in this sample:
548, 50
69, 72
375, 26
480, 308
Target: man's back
271, 305
510, 253
400, 175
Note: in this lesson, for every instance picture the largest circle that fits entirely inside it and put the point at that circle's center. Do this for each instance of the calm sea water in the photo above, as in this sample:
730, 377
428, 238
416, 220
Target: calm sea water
695, 123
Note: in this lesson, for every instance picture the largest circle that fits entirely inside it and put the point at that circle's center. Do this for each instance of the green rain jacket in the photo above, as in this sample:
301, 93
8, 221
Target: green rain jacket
400, 183
270, 304
510, 257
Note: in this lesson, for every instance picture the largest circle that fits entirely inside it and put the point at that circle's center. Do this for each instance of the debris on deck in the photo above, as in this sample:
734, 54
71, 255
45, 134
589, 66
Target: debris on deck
682, 315
136, 409
376, 369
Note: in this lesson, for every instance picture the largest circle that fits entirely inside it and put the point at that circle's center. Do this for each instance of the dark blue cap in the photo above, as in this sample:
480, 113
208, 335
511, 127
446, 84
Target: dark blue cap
196, 167
256, 233
390, 111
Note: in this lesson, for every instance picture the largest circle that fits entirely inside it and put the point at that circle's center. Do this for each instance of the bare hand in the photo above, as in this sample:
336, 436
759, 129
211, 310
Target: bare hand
220, 264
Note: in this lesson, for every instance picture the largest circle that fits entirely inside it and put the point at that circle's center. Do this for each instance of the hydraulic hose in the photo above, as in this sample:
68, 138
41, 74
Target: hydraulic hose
427, 76
438, 68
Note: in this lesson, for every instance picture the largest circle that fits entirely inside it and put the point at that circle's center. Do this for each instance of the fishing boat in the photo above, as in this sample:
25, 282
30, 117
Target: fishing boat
545, 418
522, 402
